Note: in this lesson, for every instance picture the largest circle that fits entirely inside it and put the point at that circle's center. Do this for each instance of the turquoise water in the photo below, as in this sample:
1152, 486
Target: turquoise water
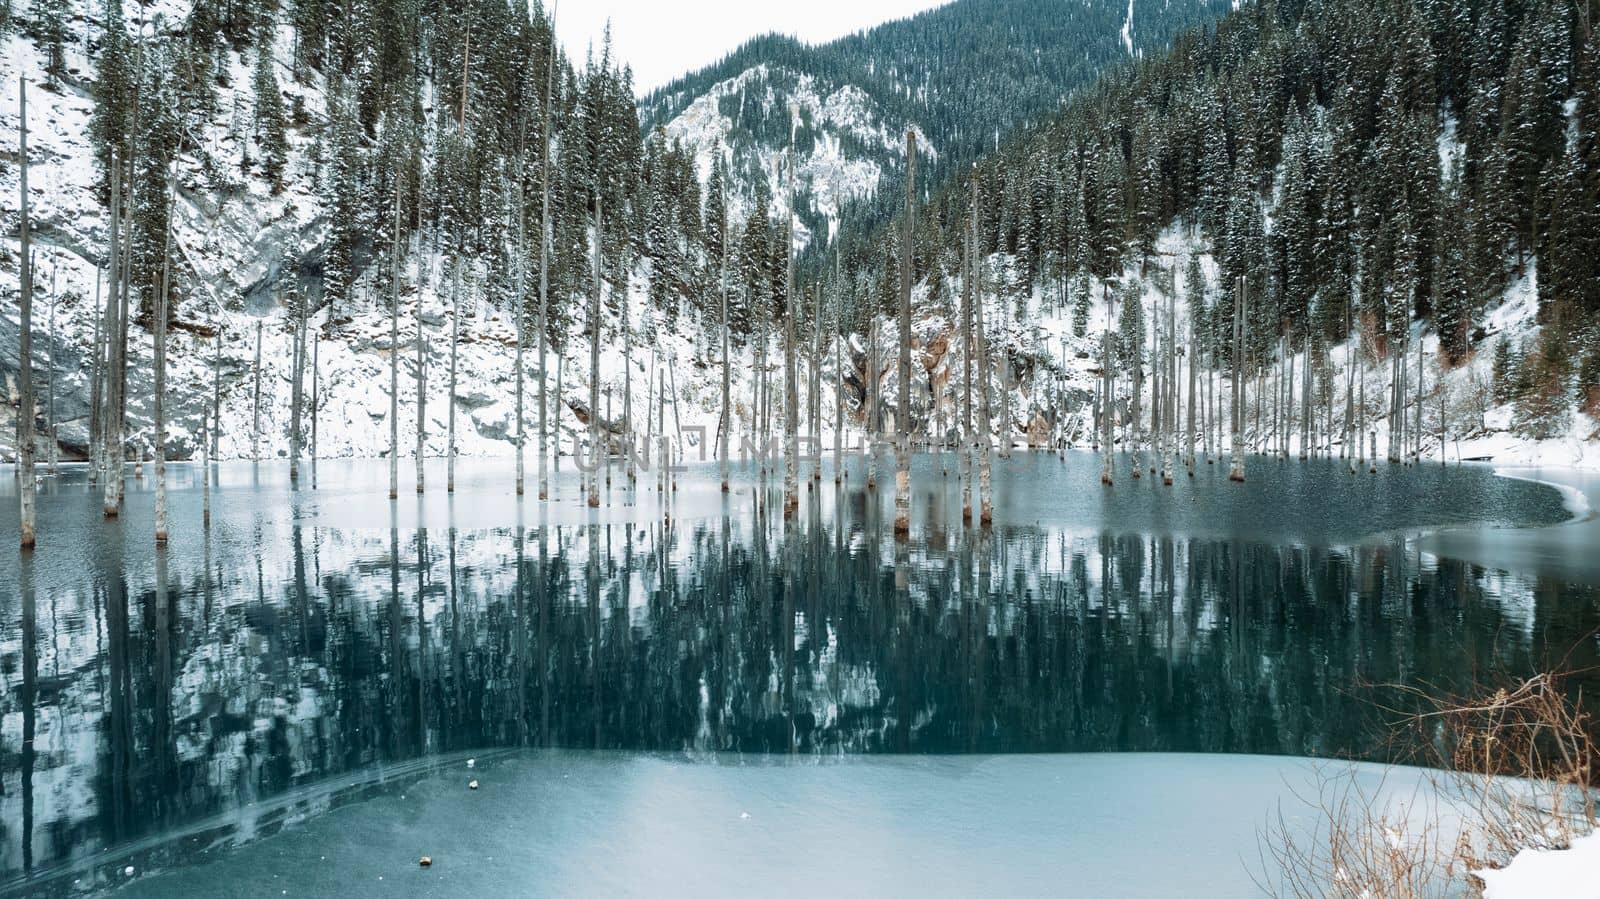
316, 642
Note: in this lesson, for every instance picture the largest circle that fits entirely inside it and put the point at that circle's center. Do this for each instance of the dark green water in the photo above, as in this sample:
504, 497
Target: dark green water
325, 635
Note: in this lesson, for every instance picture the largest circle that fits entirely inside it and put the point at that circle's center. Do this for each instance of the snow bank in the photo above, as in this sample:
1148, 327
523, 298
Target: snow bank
1572, 873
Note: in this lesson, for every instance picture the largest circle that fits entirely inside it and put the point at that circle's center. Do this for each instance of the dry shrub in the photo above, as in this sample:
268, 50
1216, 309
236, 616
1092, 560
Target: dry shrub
1522, 763
1515, 769
1362, 843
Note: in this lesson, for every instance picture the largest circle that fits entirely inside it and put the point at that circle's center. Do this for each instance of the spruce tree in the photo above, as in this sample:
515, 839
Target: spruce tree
269, 125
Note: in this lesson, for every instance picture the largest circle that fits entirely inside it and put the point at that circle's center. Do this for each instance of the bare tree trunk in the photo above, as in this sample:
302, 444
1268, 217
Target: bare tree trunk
111, 425
902, 415
838, 372
1396, 354
1135, 430
159, 407
1191, 357
1351, 438
394, 354
297, 387
316, 400
791, 311
50, 374
874, 407
968, 279
216, 380
255, 414
1236, 463
561, 367
97, 387
25, 411
450, 398
544, 274
1170, 404
594, 358
815, 392
519, 306
422, 382
627, 389
725, 423
1108, 405
985, 438
1416, 431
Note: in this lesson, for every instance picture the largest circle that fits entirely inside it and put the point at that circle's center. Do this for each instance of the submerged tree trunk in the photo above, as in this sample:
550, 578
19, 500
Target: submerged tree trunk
874, 407
110, 423
814, 395
791, 390
97, 387
316, 398
985, 426
255, 404
902, 415
50, 375
725, 422
25, 441
394, 354
159, 407
1236, 461
422, 383
297, 387
519, 307
1191, 357
544, 274
594, 358
837, 337
450, 397
1108, 405
968, 279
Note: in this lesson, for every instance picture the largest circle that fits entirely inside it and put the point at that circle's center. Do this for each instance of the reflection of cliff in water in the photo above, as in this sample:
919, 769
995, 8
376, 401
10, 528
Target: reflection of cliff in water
214, 687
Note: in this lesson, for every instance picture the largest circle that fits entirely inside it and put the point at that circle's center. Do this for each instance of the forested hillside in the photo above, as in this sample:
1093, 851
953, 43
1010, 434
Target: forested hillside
335, 187
1396, 172
967, 74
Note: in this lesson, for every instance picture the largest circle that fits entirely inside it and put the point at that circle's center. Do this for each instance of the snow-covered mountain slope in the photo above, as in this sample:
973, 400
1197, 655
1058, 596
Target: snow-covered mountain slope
849, 143
964, 75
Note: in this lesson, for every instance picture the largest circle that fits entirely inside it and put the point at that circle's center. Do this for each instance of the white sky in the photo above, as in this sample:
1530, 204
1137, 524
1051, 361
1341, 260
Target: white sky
663, 39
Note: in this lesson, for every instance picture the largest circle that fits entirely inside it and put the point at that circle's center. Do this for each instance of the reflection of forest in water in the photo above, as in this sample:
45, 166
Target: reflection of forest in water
150, 705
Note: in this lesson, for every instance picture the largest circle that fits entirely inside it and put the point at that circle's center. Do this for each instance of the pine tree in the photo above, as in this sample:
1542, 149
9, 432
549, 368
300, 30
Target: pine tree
269, 126
111, 120
341, 197
50, 25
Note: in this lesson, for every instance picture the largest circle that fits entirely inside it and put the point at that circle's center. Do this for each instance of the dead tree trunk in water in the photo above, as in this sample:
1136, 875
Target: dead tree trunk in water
791, 311
422, 384
394, 354
450, 397
544, 274
50, 374
97, 375
837, 338
255, 414
594, 357
297, 386
874, 412
1236, 463
25, 442
111, 424
968, 276
163, 297
724, 424
902, 415
519, 305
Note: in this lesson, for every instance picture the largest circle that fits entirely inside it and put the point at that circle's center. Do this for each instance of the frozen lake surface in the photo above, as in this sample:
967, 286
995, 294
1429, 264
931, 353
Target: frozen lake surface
878, 707
1114, 826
